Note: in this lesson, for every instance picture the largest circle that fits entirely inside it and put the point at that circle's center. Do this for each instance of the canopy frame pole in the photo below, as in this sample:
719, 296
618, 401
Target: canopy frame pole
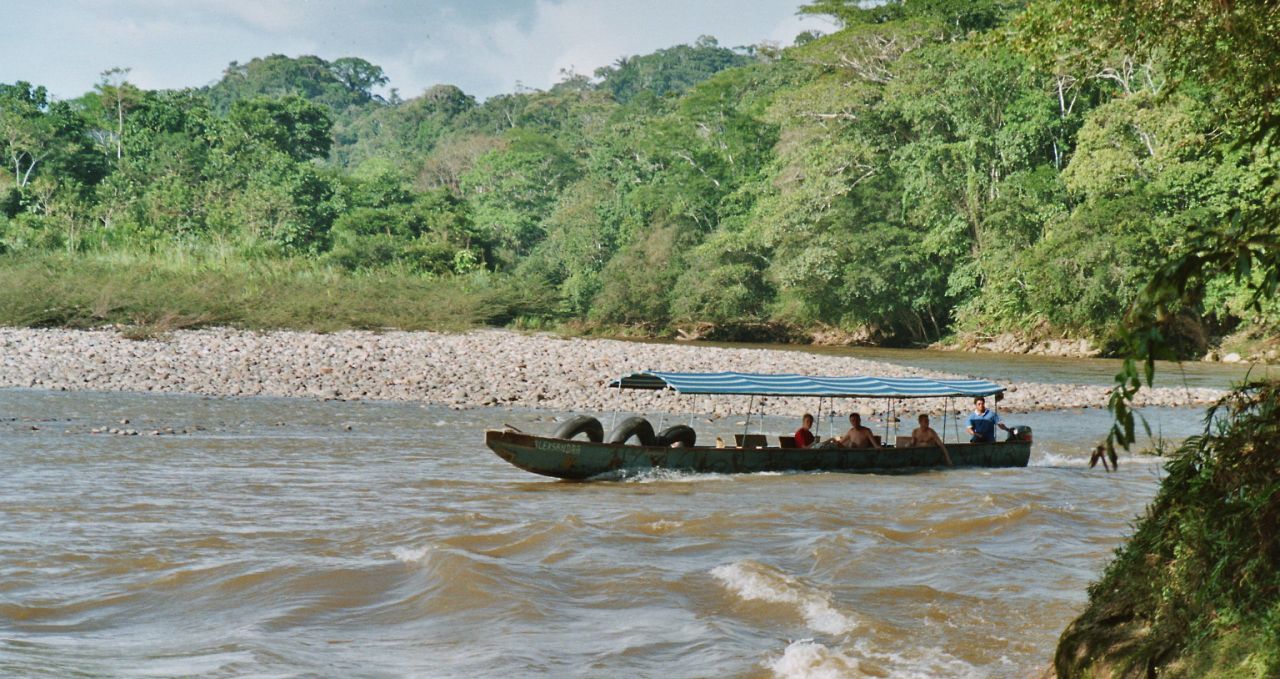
614, 415
894, 415
818, 424
888, 409
746, 425
995, 408
946, 414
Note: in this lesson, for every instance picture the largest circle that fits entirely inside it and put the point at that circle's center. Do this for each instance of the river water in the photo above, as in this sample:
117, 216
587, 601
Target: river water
301, 538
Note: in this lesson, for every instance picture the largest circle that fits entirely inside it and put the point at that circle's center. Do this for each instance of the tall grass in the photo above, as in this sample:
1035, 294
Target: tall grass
156, 293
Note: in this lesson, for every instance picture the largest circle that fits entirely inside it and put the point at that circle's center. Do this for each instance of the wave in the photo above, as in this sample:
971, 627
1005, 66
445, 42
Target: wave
410, 555
662, 526
1081, 461
920, 662
668, 476
807, 659
448, 578
753, 581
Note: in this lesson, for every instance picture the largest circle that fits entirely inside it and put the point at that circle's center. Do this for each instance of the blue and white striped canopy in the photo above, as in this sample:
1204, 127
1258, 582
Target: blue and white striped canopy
735, 383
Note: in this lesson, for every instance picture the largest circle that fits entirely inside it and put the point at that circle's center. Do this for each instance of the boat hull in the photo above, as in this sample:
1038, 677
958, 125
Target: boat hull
577, 459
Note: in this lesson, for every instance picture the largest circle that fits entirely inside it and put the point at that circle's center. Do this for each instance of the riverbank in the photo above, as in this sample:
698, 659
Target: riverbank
1195, 592
1246, 346
473, 369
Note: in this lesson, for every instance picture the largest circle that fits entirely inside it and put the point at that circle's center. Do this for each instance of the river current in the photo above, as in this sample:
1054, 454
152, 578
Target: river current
302, 538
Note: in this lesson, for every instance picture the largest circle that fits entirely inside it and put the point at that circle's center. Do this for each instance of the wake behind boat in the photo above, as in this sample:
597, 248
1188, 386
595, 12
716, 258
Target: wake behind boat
564, 455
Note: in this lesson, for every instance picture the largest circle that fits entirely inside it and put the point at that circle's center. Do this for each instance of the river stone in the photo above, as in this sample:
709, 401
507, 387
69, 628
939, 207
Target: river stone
484, 367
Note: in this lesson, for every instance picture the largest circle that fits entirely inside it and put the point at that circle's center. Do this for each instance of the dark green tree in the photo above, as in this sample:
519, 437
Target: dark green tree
668, 71
291, 125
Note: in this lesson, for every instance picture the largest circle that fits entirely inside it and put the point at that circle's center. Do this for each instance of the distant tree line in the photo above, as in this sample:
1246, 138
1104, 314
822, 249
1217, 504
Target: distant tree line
929, 168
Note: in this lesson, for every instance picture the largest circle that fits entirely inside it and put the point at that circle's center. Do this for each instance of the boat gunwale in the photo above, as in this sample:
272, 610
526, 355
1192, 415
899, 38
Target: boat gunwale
633, 446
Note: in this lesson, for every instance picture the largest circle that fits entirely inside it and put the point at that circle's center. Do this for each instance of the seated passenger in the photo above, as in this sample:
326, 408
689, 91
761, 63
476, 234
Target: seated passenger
983, 423
924, 435
804, 437
858, 436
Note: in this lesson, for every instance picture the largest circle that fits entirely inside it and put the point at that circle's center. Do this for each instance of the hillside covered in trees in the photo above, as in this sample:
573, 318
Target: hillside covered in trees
931, 169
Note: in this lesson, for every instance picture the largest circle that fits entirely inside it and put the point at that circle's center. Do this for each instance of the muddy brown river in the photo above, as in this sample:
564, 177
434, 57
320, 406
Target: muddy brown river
301, 538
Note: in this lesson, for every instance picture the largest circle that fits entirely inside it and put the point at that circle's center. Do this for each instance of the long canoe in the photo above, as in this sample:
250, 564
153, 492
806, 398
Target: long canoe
578, 459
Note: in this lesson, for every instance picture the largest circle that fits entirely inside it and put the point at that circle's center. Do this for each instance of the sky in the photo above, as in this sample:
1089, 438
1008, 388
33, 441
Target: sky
486, 47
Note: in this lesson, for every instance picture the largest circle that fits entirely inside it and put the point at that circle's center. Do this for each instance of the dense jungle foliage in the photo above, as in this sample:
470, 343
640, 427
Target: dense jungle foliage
930, 168
1195, 592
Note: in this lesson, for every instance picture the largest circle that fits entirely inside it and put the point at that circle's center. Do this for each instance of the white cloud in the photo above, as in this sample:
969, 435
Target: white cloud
788, 28
483, 46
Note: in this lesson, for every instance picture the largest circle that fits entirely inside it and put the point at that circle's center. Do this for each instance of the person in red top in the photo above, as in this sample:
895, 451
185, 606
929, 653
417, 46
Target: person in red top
804, 437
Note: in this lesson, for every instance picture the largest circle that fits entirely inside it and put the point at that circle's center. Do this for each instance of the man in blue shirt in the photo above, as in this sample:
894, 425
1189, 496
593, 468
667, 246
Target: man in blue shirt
983, 423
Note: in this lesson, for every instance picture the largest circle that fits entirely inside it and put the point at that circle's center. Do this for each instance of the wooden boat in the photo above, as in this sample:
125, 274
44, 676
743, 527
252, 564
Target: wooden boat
567, 457
578, 459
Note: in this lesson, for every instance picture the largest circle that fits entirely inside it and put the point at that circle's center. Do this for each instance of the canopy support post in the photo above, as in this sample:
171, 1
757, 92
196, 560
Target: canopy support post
888, 408
946, 414
614, 415
894, 415
746, 425
995, 408
818, 424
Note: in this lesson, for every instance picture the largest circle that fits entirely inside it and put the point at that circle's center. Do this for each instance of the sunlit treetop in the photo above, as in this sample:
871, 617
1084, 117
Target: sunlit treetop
961, 15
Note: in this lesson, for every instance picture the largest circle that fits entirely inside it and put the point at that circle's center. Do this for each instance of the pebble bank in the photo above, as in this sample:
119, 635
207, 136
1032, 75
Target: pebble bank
483, 368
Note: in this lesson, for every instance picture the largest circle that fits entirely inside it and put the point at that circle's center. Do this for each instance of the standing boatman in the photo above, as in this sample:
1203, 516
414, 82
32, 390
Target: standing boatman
983, 422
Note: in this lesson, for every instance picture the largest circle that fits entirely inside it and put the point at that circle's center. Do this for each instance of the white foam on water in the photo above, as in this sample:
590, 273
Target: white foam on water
663, 525
672, 476
676, 476
807, 659
406, 555
1057, 460
1048, 459
755, 582
924, 663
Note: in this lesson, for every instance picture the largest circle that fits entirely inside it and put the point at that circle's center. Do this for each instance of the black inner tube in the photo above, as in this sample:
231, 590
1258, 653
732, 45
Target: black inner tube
582, 424
634, 426
682, 433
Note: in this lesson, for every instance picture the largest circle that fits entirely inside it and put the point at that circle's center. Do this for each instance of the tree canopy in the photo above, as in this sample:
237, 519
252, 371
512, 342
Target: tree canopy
915, 175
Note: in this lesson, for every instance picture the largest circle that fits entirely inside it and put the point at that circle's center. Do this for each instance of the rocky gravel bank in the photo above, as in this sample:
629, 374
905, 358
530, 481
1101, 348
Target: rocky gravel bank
475, 369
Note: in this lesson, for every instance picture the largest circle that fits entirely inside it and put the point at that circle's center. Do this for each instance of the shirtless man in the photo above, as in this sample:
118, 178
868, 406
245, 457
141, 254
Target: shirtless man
858, 436
924, 435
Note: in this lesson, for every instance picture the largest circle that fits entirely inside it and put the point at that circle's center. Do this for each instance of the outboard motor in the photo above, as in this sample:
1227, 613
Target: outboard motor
1019, 433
